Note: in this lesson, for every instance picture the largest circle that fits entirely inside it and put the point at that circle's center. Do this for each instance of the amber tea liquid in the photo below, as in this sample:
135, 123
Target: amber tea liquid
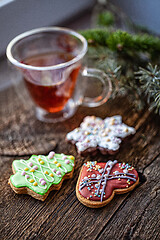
50, 90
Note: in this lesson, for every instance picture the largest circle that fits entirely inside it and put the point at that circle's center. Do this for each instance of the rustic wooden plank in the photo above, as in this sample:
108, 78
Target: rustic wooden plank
45, 214
61, 214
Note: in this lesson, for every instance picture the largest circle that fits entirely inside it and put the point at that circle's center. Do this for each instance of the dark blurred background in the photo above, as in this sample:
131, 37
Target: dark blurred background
18, 16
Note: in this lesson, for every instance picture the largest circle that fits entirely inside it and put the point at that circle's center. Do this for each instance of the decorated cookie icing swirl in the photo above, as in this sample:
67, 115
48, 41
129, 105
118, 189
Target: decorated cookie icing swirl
97, 133
98, 180
39, 172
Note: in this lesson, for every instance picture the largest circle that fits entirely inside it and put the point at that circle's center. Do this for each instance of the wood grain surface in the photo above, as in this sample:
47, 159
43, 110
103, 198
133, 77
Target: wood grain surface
134, 215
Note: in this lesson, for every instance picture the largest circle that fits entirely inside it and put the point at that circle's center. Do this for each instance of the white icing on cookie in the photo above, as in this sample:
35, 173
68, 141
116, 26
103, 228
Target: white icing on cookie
95, 132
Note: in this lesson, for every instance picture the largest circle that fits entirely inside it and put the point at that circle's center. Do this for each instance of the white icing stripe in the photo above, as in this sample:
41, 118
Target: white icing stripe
30, 173
44, 175
40, 166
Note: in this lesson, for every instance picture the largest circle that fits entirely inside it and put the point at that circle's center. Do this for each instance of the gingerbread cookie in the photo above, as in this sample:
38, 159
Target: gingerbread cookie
41, 174
97, 134
99, 182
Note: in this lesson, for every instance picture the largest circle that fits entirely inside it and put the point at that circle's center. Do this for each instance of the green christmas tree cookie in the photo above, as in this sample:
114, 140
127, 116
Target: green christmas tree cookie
41, 174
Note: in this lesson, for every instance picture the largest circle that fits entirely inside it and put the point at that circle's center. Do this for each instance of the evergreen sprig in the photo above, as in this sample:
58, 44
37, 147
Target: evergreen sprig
122, 41
150, 84
121, 54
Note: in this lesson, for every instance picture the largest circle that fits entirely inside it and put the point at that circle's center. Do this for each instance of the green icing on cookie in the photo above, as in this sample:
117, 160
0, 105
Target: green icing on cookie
39, 172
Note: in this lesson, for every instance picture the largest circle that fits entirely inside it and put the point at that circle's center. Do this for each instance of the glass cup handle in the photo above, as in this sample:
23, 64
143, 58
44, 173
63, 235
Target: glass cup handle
106, 83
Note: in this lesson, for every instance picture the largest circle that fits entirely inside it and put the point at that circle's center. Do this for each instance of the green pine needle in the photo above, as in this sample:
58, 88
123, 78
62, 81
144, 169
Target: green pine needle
150, 80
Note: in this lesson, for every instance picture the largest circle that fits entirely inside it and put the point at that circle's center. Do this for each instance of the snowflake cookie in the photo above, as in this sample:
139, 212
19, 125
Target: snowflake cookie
95, 134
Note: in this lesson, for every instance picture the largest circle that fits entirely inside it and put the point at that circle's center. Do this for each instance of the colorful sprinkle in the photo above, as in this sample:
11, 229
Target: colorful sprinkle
54, 170
35, 167
26, 169
27, 176
93, 175
32, 170
43, 182
23, 173
35, 184
41, 179
55, 162
46, 172
42, 162
31, 180
51, 174
67, 161
58, 173
71, 157
58, 165
30, 164
51, 155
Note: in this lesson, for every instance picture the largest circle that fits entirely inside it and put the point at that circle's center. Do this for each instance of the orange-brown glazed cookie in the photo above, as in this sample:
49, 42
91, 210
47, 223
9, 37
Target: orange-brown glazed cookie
99, 182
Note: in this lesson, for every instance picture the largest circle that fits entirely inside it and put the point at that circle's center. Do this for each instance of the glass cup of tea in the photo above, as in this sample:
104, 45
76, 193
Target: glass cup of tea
51, 62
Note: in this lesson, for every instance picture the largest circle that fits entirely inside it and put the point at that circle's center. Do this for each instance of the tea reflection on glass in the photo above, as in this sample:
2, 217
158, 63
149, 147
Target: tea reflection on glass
50, 60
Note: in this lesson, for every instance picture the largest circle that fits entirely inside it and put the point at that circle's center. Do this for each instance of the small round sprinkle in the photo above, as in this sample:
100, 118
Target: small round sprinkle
85, 178
58, 165
32, 170
31, 180
58, 173
35, 167
64, 157
26, 169
51, 155
23, 173
86, 133
41, 179
46, 172
43, 182
71, 157
55, 162
51, 174
35, 184
125, 171
93, 175
42, 162
54, 170
39, 159
30, 164
67, 161
27, 176
108, 140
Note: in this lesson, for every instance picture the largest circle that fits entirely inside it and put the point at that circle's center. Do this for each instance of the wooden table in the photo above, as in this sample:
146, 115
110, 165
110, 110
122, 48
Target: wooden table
130, 216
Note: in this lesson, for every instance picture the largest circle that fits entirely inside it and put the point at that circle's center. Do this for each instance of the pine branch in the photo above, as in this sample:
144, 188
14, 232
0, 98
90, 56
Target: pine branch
150, 80
122, 41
